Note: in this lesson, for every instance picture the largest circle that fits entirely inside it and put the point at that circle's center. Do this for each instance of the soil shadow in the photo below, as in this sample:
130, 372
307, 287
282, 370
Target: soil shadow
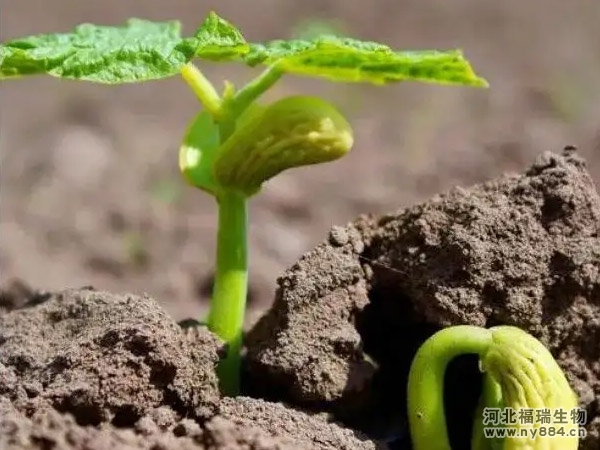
521, 250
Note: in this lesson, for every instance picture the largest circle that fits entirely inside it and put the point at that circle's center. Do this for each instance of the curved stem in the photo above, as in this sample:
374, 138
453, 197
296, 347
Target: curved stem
491, 397
228, 304
203, 89
426, 382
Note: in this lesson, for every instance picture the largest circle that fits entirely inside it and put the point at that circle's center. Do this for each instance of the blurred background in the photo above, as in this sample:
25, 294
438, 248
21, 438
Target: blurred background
90, 192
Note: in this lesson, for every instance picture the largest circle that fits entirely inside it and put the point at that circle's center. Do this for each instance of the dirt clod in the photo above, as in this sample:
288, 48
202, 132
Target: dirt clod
307, 344
105, 358
308, 431
91, 370
522, 250
47, 428
241, 424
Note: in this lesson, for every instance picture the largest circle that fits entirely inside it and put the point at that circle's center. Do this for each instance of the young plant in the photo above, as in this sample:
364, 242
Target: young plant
519, 373
234, 145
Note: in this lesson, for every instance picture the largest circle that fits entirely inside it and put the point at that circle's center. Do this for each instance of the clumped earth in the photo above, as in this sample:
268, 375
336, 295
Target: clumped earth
521, 250
85, 369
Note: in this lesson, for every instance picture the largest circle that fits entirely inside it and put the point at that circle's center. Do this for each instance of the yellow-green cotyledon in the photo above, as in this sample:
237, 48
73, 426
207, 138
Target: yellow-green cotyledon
520, 376
292, 132
532, 382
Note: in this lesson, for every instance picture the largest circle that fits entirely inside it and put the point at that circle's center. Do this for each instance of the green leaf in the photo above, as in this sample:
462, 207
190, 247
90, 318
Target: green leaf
217, 40
350, 60
198, 152
141, 50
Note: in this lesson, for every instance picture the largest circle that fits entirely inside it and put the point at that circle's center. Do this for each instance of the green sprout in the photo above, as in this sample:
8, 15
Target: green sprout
519, 373
233, 145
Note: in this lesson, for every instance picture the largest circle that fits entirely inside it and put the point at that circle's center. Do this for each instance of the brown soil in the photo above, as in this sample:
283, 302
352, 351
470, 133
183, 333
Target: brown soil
522, 250
84, 369
105, 359
91, 194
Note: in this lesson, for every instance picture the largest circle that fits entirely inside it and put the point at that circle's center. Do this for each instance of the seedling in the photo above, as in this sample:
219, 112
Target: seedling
234, 145
519, 373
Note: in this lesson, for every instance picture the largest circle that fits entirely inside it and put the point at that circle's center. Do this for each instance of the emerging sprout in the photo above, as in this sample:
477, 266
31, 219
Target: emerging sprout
233, 145
520, 374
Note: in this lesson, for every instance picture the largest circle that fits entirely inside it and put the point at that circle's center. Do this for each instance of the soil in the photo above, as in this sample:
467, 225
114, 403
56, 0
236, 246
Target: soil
85, 369
91, 195
326, 366
521, 250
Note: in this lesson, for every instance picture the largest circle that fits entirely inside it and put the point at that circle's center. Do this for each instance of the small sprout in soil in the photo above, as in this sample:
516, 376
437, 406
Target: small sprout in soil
519, 373
234, 144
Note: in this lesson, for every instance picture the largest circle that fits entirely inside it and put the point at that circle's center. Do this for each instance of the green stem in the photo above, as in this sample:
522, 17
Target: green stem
203, 89
228, 304
426, 382
252, 90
